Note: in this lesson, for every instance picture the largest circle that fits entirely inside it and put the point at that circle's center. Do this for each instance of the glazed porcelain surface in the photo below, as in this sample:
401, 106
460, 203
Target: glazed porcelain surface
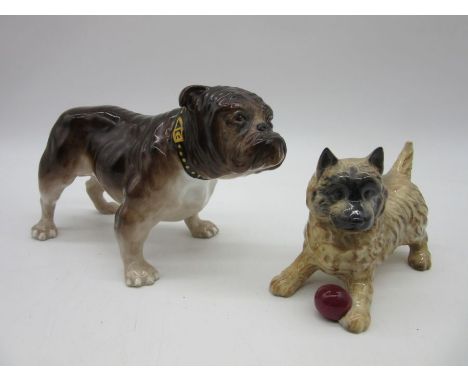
157, 168
357, 218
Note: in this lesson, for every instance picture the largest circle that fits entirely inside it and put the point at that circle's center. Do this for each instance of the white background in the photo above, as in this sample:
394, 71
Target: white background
349, 83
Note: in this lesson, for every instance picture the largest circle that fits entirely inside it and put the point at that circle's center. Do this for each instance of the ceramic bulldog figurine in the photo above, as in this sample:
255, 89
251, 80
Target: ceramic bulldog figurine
357, 218
157, 168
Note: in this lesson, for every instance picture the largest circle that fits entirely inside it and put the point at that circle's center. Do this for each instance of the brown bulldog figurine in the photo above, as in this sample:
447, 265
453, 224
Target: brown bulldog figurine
158, 168
357, 218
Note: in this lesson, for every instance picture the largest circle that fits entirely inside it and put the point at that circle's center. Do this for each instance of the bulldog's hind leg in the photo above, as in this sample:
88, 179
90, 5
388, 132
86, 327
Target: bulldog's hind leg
95, 192
419, 257
202, 229
294, 276
64, 159
51, 187
132, 226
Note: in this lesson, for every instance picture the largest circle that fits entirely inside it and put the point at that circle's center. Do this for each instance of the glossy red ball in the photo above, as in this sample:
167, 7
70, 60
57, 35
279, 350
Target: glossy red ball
332, 301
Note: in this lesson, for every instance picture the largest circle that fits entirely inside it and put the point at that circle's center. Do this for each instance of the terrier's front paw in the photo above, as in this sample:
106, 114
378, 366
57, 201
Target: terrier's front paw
139, 274
284, 285
355, 322
43, 231
204, 230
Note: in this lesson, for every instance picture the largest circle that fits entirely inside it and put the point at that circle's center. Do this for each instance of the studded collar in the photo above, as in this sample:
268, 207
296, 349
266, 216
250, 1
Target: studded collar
178, 139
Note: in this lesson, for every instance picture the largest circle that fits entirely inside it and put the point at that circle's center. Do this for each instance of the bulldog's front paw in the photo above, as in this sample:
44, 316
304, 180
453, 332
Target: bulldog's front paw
284, 285
355, 321
204, 229
140, 274
44, 231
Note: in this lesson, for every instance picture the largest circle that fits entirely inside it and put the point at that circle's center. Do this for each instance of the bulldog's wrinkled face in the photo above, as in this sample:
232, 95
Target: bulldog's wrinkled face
235, 132
349, 194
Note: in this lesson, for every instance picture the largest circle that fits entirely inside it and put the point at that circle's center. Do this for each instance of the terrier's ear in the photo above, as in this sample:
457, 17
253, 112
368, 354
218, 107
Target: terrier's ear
376, 159
188, 95
326, 159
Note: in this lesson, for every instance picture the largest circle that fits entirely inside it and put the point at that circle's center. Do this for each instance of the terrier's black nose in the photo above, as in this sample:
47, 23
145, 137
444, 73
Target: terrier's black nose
356, 217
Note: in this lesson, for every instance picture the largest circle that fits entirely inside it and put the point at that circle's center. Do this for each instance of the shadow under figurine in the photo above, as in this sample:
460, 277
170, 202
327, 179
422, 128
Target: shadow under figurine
158, 168
357, 218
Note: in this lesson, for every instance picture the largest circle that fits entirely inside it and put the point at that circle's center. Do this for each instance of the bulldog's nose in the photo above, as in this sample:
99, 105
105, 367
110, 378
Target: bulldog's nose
263, 126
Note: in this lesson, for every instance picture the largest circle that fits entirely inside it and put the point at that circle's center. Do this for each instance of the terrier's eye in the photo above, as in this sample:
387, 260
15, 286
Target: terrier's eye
369, 193
338, 194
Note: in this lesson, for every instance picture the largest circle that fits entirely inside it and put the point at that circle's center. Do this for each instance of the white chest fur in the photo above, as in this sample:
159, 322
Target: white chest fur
186, 196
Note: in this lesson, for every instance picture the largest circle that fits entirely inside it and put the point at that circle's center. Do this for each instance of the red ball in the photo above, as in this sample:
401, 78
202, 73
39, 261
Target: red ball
332, 301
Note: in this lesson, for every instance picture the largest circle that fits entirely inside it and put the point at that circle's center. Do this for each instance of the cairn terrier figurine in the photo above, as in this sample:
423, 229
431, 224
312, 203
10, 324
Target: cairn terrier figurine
357, 218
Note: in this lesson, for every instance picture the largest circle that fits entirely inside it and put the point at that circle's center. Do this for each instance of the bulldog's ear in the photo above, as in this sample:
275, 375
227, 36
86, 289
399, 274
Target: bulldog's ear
376, 159
327, 159
189, 95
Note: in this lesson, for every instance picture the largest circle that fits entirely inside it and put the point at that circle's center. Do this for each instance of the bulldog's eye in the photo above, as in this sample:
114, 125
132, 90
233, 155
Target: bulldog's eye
240, 118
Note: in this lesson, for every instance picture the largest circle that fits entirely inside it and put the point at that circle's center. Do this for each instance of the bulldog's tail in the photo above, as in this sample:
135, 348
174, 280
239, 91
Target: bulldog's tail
404, 162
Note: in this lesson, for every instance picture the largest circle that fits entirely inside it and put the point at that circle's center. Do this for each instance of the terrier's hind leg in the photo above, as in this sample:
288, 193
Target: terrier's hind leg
95, 192
419, 257
51, 188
